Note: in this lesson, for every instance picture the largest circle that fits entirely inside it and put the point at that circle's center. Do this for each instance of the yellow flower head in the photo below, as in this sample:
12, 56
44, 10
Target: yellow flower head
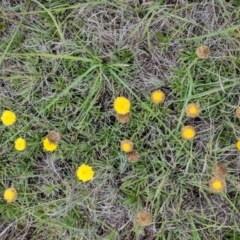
85, 173
188, 132
158, 96
192, 110
126, 146
8, 118
203, 52
10, 195
238, 144
49, 146
219, 170
122, 105
217, 184
144, 218
20, 144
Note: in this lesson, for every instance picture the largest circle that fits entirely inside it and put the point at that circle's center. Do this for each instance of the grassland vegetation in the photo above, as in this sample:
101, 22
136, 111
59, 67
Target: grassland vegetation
64, 63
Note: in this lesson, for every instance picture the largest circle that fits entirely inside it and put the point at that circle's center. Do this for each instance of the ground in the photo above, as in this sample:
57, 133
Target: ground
64, 62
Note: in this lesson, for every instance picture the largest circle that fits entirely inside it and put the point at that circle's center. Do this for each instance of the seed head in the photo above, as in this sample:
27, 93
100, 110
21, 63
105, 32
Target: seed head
203, 52
123, 118
54, 137
144, 218
133, 156
238, 112
219, 170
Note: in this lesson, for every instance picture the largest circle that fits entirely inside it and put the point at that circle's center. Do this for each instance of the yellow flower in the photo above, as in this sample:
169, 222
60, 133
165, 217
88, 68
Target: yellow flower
85, 173
188, 132
126, 146
10, 195
217, 184
203, 52
238, 144
49, 146
20, 144
158, 96
8, 118
122, 105
192, 110
144, 218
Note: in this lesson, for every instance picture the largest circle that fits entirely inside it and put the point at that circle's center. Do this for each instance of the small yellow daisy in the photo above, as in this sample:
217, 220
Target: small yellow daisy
192, 110
238, 144
188, 132
85, 173
8, 118
10, 195
20, 144
158, 96
49, 146
126, 146
217, 184
122, 105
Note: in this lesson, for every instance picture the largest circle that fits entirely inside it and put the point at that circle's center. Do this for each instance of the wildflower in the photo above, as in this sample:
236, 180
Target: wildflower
133, 156
217, 184
126, 146
123, 118
238, 144
192, 110
122, 105
20, 144
238, 112
188, 132
85, 173
219, 170
158, 96
8, 118
49, 146
144, 218
10, 195
203, 52
54, 137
